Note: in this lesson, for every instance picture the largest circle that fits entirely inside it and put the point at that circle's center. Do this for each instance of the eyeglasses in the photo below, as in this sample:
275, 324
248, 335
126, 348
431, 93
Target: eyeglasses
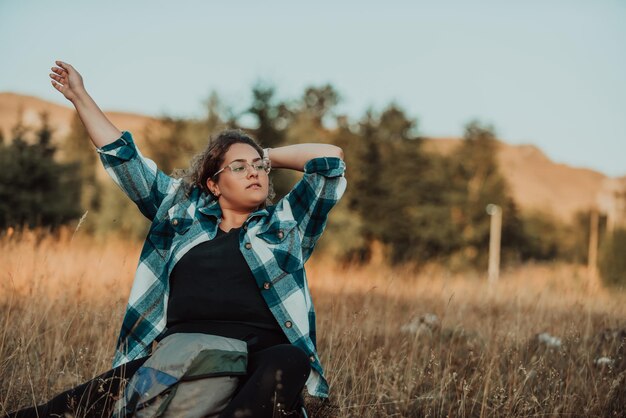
240, 168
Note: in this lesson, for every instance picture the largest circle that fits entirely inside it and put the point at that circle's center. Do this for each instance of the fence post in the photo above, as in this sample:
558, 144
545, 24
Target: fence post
495, 231
592, 259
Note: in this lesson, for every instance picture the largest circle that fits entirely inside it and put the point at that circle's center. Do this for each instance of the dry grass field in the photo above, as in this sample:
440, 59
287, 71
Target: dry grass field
394, 343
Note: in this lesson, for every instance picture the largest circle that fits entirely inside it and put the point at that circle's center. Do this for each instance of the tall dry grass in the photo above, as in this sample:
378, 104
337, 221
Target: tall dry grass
394, 343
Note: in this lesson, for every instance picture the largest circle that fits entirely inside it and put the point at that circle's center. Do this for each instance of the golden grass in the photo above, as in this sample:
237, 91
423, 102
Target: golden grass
394, 343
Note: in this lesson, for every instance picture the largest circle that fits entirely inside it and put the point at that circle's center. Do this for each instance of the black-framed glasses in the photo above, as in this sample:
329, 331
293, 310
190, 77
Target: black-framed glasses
240, 168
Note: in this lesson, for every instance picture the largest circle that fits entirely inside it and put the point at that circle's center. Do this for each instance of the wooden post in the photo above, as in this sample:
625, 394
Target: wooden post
592, 259
495, 231
611, 213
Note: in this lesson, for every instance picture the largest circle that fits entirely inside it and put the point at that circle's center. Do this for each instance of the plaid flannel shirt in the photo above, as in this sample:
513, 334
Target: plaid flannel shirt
275, 242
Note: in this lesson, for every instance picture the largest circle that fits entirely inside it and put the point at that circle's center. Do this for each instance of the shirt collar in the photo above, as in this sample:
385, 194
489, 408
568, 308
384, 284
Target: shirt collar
259, 213
210, 207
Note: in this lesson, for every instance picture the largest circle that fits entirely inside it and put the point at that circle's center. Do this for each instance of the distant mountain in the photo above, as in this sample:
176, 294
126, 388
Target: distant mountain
537, 183
11, 105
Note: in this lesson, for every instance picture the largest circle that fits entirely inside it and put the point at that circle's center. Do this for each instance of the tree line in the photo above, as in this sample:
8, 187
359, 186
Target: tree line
403, 203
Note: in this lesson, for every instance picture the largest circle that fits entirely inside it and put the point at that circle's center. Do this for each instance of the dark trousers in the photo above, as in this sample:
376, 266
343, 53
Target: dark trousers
94, 398
273, 384
276, 376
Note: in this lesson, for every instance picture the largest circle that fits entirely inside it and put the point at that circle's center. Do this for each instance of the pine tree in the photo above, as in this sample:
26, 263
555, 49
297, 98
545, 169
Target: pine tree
319, 102
476, 181
271, 117
170, 145
35, 190
78, 148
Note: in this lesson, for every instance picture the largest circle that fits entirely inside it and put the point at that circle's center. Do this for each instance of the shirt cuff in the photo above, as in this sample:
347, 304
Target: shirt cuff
326, 166
123, 148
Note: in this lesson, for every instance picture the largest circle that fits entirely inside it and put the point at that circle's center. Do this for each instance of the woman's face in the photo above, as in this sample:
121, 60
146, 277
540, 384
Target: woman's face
245, 191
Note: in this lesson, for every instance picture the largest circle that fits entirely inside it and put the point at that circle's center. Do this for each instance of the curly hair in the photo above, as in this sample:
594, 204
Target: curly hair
204, 164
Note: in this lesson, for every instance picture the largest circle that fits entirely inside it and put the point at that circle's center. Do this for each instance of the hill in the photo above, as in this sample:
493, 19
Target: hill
537, 183
12, 104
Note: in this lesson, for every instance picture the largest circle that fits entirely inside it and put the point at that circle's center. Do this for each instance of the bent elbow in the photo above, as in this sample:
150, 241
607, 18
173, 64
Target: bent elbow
337, 152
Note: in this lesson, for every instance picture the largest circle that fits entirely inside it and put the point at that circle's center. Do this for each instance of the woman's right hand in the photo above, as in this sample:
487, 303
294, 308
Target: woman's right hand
67, 80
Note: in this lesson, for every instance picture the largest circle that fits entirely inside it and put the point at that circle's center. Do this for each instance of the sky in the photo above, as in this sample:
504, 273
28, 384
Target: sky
550, 73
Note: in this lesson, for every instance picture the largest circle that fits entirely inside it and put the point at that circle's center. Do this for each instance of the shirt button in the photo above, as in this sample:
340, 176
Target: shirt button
312, 358
245, 227
248, 245
280, 234
266, 285
175, 222
288, 324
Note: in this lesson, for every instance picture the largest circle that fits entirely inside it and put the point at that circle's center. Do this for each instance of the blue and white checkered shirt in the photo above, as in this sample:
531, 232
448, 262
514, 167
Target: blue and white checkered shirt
275, 242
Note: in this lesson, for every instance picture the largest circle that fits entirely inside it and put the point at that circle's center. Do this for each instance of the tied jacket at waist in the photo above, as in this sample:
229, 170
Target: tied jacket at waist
275, 242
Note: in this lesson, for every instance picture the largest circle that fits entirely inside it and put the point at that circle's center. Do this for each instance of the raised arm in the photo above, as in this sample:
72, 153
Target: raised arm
137, 176
70, 83
296, 156
319, 190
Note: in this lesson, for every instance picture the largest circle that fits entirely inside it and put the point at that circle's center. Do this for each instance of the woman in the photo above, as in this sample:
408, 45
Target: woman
218, 260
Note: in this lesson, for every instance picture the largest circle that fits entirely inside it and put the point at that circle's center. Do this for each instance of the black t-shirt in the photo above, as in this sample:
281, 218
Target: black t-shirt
213, 291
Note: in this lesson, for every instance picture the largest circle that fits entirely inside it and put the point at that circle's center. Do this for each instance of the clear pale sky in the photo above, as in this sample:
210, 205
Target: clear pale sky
550, 73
